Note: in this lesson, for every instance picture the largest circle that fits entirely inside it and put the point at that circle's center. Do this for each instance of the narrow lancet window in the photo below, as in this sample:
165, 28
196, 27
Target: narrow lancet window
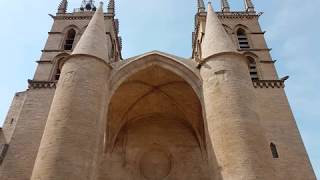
243, 39
253, 68
70, 39
3, 151
274, 150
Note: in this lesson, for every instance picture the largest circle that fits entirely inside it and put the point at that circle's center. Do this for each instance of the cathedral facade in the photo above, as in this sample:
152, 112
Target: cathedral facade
89, 114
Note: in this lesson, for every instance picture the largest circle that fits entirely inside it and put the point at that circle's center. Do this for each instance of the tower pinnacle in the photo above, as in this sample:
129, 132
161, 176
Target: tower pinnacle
225, 6
249, 5
216, 40
201, 7
93, 41
111, 7
63, 7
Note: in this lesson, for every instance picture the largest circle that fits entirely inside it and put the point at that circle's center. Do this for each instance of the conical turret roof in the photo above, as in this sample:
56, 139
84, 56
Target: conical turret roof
94, 40
216, 40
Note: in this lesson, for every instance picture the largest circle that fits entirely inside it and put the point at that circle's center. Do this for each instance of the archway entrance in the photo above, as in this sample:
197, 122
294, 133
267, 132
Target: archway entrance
155, 129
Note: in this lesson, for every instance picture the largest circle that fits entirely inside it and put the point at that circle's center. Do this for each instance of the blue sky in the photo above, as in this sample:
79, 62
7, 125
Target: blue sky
292, 32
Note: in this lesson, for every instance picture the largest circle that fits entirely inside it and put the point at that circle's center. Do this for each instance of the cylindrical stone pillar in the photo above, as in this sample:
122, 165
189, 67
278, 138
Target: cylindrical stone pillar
72, 137
233, 125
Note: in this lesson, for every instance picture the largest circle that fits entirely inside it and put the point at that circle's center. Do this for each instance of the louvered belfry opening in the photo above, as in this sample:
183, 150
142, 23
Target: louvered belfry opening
70, 39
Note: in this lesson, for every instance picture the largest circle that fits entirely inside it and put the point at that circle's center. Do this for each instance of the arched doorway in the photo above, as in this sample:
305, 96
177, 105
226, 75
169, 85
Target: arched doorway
155, 128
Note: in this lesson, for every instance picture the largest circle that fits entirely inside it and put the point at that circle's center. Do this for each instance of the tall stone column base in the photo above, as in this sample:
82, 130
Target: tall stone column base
73, 135
233, 124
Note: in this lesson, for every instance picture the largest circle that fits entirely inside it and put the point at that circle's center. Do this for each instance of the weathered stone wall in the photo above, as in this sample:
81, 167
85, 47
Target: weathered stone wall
281, 129
13, 115
2, 138
23, 148
232, 119
155, 147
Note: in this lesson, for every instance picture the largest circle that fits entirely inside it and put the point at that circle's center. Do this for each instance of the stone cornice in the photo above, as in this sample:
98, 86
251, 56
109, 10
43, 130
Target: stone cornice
44, 62
263, 32
55, 32
236, 14
41, 84
256, 49
268, 83
78, 16
53, 50
268, 62
240, 14
256, 83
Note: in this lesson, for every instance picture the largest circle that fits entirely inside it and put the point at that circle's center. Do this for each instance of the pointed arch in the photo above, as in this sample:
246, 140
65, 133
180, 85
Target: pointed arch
69, 40
58, 62
136, 74
252, 65
241, 26
166, 61
71, 34
242, 37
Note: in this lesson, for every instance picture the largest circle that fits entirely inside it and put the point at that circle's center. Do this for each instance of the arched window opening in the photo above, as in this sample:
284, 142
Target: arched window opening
70, 39
58, 68
57, 75
253, 68
242, 39
274, 151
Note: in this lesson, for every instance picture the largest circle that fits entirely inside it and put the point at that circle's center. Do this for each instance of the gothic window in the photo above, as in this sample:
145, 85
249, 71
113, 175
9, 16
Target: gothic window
243, 39
58, 67
253, 68
69, 39
3, 151
274, 150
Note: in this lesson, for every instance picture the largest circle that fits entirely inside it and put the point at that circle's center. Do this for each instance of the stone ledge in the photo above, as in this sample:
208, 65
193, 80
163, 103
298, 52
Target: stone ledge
41, 84
268, 83
256, 83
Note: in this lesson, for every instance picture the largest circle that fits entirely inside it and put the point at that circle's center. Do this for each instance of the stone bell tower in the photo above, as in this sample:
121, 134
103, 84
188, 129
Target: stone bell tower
96, 45
89, 114
247, 111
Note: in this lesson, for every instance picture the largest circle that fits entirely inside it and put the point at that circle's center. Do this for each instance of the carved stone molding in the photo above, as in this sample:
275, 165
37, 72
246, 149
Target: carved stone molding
268, 83
78, 16
41, 84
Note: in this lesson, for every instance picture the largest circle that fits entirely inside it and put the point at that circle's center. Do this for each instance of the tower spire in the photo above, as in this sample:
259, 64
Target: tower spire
111, 7
63, 7
249, 5
225, 7
216, 40
201, 7
93, 41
